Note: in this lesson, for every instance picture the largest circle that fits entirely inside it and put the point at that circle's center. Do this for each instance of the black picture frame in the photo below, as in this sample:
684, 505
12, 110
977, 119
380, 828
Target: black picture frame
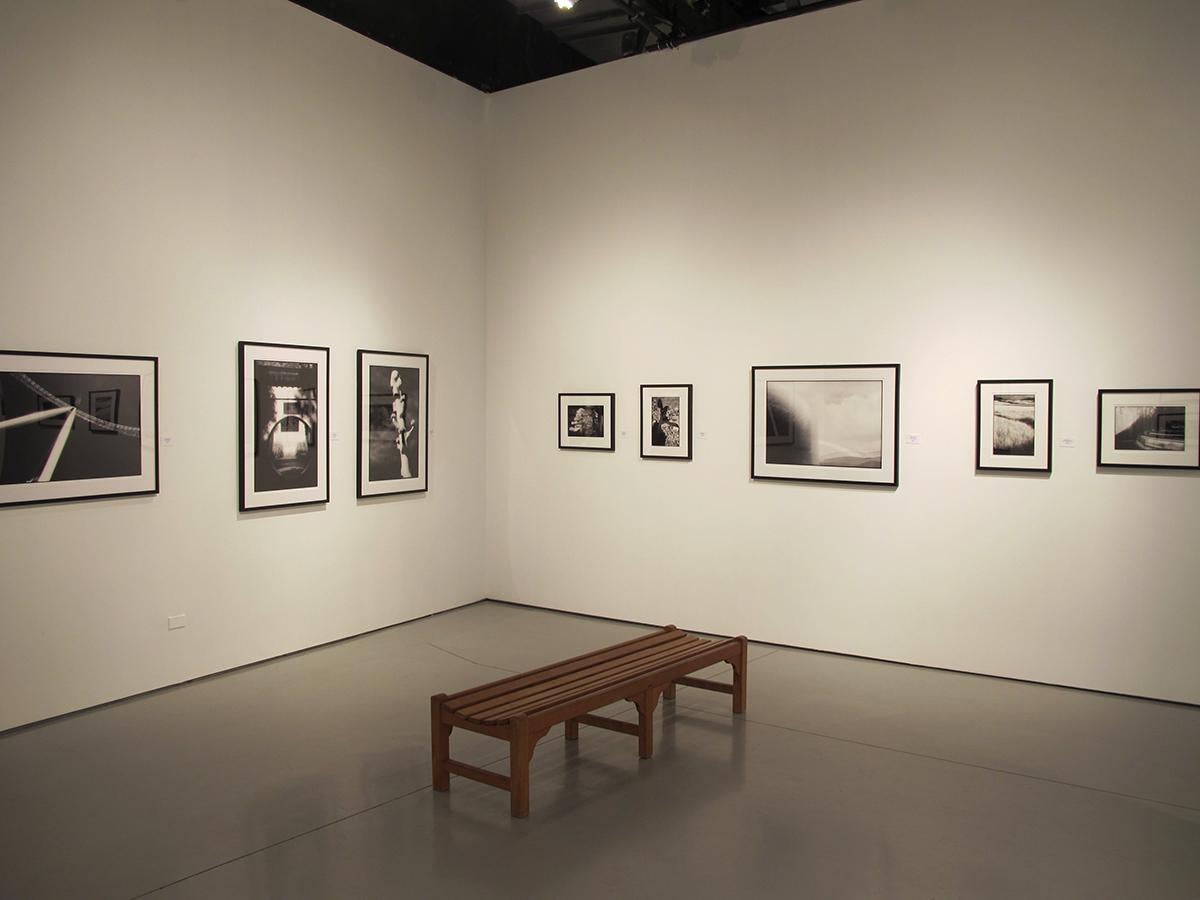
299, 424
844, 401
596, 402
373, 471
1021, 440
54, 463
1155, 428
682, 450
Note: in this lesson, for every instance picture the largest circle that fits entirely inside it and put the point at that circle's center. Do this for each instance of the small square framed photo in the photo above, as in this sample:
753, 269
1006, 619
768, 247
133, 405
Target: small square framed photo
1014, 423
585, 421
666, 421
283, 401
838, 424
1148, 428
393, 423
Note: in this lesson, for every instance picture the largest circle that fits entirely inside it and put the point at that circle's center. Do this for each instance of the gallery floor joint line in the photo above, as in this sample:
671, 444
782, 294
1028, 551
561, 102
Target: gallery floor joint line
943, 759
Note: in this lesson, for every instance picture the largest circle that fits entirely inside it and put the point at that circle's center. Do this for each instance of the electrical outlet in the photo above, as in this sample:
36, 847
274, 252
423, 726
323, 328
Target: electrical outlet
179, 621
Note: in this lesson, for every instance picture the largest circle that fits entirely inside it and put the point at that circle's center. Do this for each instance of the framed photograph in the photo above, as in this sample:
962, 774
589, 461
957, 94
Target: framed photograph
103, 405
666, 421
283, 400
838, 424
1014, 423
53, 447
1150, 428
585, 421
393, 423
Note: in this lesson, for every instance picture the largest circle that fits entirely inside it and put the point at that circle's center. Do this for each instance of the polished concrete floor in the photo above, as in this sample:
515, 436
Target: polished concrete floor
309, 777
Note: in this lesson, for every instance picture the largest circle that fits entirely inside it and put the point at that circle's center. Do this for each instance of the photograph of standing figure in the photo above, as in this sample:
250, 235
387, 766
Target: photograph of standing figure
393, 400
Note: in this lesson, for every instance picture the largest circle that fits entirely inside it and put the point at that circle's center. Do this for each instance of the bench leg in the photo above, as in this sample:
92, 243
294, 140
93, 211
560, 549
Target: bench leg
645, 707
519, 755
669, 691
440, 733
739, 677
572, 729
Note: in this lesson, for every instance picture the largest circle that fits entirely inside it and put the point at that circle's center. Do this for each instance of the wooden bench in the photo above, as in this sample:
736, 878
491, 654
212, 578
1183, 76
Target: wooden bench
520, 709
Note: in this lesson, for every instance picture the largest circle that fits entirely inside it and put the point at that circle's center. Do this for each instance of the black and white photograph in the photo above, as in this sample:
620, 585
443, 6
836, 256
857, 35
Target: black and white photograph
103, 406
1155, 428
585, 421
826, 423
75, 426
393, 423
666, 421
1014, 425
283, 396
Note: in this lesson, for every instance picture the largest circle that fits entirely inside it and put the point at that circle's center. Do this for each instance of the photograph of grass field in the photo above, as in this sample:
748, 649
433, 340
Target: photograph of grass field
1014, 421
1013, 417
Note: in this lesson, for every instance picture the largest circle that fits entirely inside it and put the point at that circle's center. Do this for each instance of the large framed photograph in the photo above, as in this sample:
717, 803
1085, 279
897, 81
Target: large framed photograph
1014, 423
836, 424
585, 421
666, 421
76, 426
283, 398
393, 423
1150, 428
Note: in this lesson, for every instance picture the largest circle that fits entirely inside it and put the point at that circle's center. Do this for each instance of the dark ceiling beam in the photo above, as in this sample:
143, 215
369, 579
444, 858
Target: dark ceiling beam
600, 32
647, 21
811, 6
571, 21
680, 13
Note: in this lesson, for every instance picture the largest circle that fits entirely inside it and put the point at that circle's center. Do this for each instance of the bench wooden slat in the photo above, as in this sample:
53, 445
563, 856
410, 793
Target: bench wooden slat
586, 681
485, 709
573, 707
512, 682
597, 681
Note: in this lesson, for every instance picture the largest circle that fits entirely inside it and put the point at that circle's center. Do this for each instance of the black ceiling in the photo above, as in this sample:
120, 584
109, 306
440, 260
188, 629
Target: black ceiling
498, 44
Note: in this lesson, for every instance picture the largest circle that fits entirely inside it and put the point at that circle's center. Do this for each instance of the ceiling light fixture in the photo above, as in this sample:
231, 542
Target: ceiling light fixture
565, 4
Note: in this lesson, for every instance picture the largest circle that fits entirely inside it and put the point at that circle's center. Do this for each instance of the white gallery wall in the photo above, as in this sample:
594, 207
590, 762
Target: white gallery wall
179, 176
970, 189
